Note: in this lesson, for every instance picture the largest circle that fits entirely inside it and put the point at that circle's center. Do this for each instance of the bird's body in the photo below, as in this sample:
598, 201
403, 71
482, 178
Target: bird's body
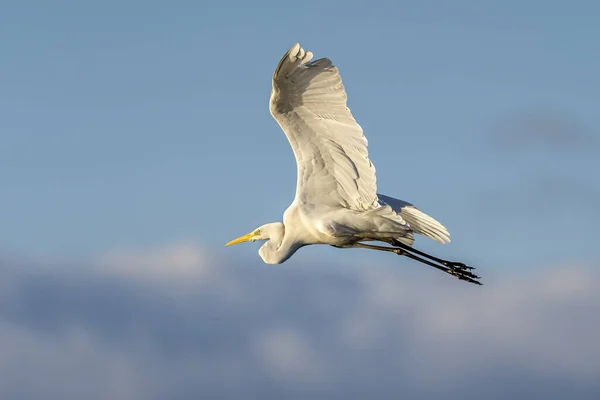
306, 224
336, 200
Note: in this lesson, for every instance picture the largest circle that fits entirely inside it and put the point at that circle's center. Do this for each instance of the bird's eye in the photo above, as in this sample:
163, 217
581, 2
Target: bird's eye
257, 232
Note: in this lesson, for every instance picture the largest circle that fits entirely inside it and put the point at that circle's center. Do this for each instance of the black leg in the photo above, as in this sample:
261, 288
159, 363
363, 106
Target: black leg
447, 263
460, 273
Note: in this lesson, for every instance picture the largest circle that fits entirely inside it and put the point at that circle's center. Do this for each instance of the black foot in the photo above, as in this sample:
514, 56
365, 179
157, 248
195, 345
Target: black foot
457, 269
459, 265
462, 272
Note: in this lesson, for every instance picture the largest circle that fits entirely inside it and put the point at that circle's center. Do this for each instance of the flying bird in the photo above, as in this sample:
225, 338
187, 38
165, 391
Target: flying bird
336, 200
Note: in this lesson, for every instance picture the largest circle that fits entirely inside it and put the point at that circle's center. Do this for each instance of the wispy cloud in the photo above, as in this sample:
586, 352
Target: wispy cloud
272, 332
542, 194
548, 129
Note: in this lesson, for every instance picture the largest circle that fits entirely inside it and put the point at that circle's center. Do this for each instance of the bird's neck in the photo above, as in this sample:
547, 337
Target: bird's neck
280, 246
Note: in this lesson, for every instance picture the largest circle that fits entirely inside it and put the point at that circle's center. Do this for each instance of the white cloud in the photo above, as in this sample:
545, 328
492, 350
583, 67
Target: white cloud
302, 331
70, 366
287, 354
173, 261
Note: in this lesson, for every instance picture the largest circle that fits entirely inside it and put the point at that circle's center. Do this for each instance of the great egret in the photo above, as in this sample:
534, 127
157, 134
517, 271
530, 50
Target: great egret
336, 199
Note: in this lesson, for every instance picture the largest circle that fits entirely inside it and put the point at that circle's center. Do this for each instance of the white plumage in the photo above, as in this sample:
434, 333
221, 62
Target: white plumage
336, 198
308, 101
417, 220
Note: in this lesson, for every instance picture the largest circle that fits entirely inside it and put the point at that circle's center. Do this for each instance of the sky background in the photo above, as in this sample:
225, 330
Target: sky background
136, 140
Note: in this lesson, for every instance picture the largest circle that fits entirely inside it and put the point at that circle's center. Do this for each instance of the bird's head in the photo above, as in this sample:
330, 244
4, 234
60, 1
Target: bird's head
273, 234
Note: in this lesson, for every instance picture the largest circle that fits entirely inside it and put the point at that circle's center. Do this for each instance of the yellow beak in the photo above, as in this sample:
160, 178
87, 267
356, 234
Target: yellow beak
247, 237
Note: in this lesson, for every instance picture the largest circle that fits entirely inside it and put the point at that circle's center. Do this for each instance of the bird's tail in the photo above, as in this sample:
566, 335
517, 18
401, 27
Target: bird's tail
419, 222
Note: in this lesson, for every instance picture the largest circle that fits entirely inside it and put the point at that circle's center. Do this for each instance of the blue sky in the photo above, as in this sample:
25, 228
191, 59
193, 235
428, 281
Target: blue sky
136, 140
143, 122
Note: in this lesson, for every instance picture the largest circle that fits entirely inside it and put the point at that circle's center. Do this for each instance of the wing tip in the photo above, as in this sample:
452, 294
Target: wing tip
293, 51
295, 56
297, 53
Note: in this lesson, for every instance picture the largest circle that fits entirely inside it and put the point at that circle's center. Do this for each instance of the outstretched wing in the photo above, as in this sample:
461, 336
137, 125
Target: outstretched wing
308, 101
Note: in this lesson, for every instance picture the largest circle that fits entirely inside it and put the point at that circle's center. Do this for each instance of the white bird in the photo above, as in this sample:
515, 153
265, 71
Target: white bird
336, 199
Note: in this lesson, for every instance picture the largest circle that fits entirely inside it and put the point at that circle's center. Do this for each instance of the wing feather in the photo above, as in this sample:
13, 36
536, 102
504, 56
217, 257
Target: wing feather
308, 101
418, 221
